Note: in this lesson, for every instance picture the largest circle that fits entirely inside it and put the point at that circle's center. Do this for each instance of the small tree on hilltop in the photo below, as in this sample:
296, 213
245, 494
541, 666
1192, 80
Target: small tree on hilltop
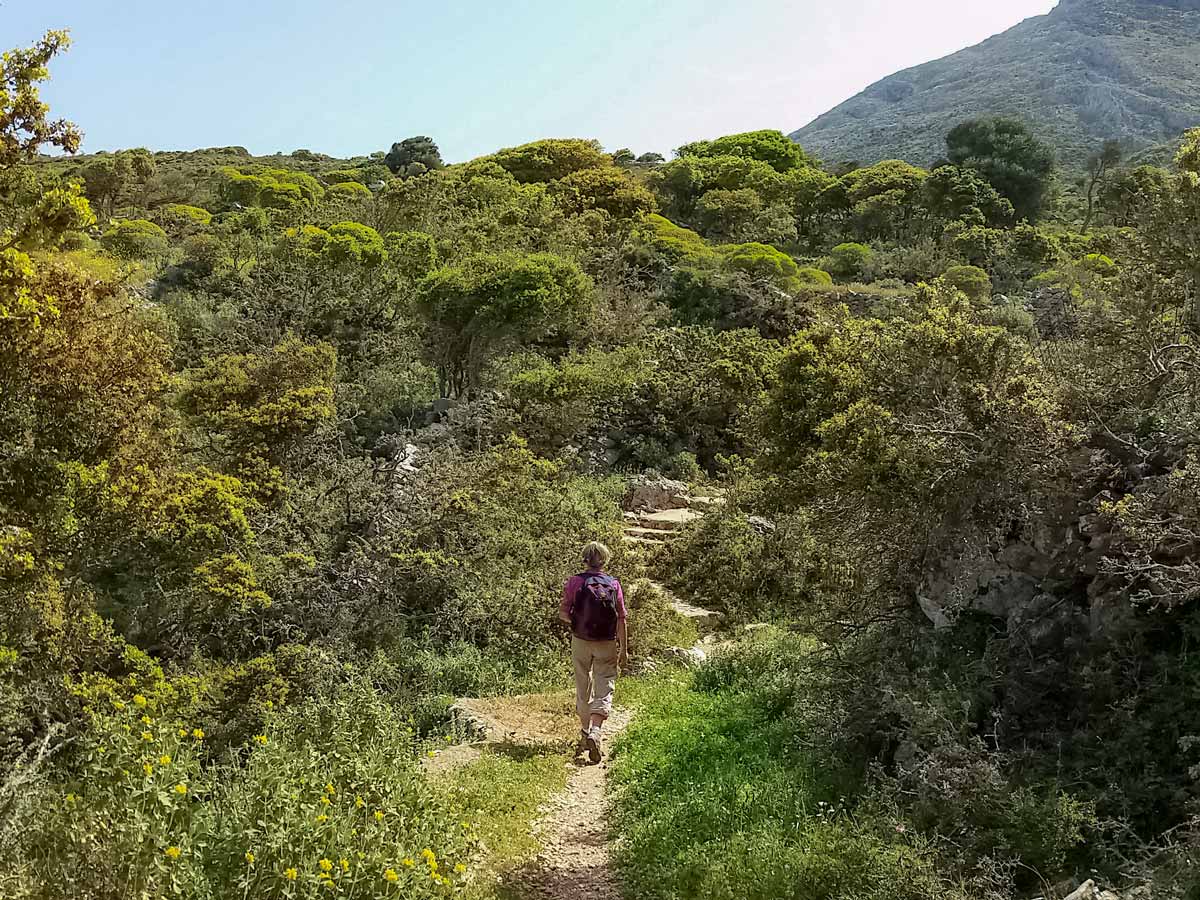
414, 156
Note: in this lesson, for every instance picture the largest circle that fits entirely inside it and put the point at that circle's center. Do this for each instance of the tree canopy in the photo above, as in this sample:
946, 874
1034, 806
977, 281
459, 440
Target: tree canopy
1007, 155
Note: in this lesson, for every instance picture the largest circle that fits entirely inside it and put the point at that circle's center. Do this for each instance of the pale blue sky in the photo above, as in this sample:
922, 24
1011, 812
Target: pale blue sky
349, 78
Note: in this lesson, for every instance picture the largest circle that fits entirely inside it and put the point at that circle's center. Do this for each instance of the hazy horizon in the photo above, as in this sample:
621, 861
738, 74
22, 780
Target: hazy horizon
276, 78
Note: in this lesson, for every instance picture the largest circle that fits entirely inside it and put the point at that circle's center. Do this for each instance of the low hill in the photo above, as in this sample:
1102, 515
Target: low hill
1088, 71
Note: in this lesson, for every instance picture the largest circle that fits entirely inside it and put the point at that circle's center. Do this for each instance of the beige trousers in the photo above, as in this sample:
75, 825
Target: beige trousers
595, 676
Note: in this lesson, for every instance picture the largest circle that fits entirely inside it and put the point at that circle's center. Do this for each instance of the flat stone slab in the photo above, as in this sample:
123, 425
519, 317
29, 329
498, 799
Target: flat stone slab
668, 519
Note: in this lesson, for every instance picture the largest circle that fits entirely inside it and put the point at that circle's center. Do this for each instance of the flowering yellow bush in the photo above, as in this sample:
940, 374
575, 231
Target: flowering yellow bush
332, 802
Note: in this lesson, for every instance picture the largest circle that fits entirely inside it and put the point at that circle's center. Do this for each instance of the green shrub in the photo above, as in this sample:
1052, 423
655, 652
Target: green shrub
679, 244
813, 275
184, 219
760, 261
725, 562
971, 280
135, 239
551, 159
348, 190
203, 253
653, 625
1099, 264
848, 261
270, 188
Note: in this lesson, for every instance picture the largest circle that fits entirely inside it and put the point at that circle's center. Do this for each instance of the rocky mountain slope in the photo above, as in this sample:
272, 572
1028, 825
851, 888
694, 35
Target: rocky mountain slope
1088, 71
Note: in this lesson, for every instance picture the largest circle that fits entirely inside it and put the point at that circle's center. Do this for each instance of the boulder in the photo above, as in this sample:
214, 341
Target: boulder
1004, 593
688, 656
645, 492
761, 525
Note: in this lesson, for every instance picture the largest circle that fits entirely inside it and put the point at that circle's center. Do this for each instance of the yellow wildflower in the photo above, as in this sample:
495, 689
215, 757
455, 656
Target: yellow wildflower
345, 864
147, 736
290, 874
260, 738
249, 858
360, 802
70, 798
118, 704
322, 819
427, 853
173, 852
181, 789
449, 739
183, 732
198, 733
379, 815
408, 862
146, 720
431, 754
459, 868
164, 760
148, 769
390, 875
325, 801
139, 699
329, 789
326, 865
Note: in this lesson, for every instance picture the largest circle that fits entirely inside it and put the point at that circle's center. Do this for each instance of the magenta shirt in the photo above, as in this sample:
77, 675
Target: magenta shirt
571, 589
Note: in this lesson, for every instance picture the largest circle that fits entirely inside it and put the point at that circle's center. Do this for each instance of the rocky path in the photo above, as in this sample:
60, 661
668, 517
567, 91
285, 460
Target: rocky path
574, 862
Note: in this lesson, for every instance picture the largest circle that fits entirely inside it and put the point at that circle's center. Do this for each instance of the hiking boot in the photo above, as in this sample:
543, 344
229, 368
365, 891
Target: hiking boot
593, 746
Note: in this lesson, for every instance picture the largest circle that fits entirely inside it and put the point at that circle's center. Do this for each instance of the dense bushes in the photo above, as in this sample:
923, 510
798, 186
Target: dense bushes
135, 239
328, 795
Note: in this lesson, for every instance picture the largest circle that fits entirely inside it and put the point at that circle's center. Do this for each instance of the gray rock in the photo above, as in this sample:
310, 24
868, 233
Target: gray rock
1005, 593
934, 613
761, 525
644, 492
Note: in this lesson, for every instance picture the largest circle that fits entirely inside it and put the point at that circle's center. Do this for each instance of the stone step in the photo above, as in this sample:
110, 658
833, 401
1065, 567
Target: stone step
707, 621
655, 534
688, 611
668, 519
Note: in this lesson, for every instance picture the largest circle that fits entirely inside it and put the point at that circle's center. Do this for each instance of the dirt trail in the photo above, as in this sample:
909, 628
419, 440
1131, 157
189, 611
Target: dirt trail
574, 862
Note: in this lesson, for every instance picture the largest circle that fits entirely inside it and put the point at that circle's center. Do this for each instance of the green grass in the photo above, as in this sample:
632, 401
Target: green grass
499, 795
716, 798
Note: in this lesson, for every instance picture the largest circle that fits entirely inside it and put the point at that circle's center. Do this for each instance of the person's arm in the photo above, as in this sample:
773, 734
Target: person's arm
622, 628
568, 600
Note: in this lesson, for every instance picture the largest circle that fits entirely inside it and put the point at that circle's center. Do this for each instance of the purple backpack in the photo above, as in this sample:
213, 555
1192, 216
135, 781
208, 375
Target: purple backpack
594, 613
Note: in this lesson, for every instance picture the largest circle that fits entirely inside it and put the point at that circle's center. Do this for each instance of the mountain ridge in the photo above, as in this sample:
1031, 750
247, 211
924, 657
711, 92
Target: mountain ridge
1087, 71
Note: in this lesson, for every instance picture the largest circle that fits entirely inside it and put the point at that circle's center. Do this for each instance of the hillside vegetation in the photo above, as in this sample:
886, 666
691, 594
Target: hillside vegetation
1091, 70
294, 450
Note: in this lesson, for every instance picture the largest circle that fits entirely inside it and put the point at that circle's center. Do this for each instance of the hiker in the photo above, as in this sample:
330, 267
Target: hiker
593, 604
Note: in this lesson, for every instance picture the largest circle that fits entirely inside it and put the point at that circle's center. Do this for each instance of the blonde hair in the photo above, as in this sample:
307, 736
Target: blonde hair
596, 555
